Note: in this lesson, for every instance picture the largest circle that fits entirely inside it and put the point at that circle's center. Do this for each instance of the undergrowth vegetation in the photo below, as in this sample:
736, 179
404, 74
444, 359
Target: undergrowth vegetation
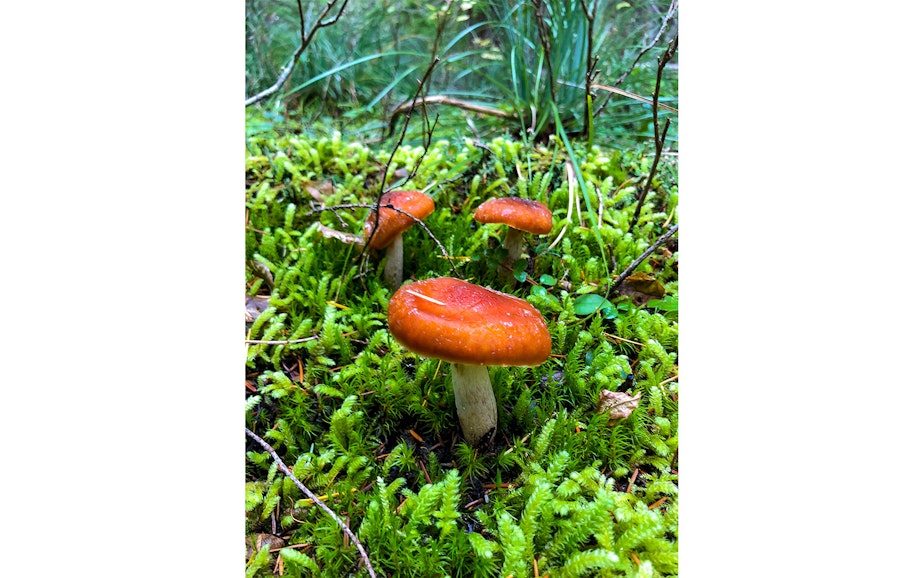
505, 105
371, 427
522, 59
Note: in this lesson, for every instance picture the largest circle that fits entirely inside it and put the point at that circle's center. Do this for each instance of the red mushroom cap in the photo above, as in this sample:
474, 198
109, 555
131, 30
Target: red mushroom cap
391, 222
523, 214
459, 322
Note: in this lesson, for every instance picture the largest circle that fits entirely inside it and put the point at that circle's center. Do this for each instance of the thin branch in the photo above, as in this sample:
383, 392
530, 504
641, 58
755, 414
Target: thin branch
543, 29
305, 41
426, 229
310, 494
301, 20
276, 342
448, 100
590, 13
659, 145
659, 142
661, 240
632, 95
667, 18
620, 92
407, 120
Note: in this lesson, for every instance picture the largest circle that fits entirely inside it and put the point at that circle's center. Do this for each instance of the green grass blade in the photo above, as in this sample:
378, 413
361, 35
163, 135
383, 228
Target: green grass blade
583, 186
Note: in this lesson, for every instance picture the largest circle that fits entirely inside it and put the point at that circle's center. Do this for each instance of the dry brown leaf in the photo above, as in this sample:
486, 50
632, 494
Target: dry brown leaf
616, 404
256, 541
329, 233
641, 288
263, 272
320, 190
254, 305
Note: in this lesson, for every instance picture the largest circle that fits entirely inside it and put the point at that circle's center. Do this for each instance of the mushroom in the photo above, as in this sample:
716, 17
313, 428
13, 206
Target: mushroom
471, 327
392, 225
520, 215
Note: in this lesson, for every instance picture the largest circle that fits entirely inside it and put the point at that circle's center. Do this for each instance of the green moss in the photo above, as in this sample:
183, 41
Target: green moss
373, 427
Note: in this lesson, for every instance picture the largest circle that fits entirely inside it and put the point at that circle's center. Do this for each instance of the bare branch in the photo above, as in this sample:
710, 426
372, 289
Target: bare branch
632, 95
620, 92
426, 229
305, 41
407, 120
448, 100
661, 240
310, 494
542, 28
279, 342
659, 142
590, 13
667, 18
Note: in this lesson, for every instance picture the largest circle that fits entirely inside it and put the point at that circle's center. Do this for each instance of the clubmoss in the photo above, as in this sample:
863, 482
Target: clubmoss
372, 427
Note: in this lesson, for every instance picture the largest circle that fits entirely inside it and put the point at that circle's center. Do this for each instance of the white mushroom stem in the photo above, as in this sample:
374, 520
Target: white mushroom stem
475, 403
514, 243
394, 263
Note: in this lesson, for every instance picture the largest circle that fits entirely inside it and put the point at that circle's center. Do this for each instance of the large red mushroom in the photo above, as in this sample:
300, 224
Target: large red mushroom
471, 327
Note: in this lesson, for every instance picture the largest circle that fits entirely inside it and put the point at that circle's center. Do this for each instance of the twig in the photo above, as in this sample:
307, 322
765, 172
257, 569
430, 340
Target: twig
542, 28
667, 18
661, 240
426, 229
407, 120
306, 40
632, 480
659, 142
658, 503
620, 92
617, 338
631, 95
283, 342
314, 498
448, 100
669, 379
590, 12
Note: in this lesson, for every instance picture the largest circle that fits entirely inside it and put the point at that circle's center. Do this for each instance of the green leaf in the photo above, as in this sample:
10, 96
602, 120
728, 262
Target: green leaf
547, 299
591, 302
547, 280
519, 270
668, 303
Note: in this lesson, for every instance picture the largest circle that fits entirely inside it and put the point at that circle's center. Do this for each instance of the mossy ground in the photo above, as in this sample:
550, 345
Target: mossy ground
372, 426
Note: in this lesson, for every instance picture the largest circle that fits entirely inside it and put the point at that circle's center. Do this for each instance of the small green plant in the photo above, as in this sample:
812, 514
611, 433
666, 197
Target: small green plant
561, 514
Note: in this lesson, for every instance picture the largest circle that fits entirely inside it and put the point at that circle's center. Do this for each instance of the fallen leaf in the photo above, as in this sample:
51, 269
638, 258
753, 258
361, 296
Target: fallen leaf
254, 305
320, 191
329, 233
641, 288
256, 541
400, 173
616, 404
263, 272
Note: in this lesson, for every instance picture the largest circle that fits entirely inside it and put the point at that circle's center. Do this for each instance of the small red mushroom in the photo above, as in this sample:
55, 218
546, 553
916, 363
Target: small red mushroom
520, 215
392, 225
471, 327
